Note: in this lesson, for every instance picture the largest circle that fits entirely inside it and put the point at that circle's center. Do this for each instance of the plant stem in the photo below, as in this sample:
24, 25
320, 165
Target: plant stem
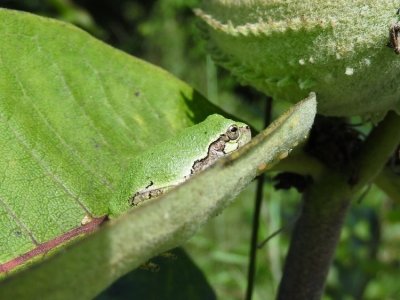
314, 240
389, 182
301, 163
326, 203
377, 149
256, 214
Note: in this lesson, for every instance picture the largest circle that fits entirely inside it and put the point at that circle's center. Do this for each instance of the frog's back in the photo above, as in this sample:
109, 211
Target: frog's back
170, 162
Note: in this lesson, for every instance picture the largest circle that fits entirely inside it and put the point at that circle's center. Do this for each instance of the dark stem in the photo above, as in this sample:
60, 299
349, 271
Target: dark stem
326, 203
256, 214
313, 242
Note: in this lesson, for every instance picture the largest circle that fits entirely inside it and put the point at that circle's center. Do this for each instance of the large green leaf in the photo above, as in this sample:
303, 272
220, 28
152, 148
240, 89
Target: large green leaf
73, 112
160, 224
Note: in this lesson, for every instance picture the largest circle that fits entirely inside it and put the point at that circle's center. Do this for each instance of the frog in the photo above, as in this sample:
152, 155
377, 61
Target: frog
174, 161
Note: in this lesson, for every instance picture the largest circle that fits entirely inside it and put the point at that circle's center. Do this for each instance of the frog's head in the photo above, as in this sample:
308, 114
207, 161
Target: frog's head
225, 135
236, 135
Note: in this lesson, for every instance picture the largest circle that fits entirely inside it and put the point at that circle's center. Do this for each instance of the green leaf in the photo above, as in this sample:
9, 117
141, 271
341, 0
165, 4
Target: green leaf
287, 48
73, 113
160, 224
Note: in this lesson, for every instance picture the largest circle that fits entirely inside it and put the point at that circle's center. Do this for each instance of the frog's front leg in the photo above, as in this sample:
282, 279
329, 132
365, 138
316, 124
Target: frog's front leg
148, 193
394, 37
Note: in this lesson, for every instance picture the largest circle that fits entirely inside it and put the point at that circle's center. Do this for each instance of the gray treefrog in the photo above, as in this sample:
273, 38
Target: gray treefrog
175, 160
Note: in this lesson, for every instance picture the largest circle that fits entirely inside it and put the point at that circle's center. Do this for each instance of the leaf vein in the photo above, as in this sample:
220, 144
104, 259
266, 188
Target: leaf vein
19, 222
70, 92
74, 152
46, 168
107, 102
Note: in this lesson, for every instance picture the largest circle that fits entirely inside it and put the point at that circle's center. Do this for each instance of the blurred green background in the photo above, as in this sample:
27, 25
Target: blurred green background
165, 33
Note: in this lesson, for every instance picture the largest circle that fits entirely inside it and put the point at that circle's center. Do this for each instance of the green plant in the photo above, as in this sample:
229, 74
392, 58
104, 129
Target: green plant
347, 53
74, 112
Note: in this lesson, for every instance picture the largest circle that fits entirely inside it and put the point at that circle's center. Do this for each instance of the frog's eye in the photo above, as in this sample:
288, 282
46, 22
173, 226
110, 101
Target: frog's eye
233, 132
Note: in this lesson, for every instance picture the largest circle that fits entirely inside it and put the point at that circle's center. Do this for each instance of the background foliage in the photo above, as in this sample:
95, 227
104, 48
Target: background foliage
164, 32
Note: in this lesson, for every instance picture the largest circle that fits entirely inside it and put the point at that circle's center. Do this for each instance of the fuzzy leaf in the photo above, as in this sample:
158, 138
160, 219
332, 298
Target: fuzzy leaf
337, 48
